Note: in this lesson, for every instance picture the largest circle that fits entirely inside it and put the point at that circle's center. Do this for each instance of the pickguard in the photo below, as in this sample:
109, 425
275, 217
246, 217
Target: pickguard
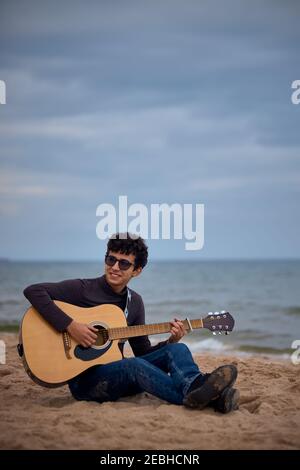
88, 354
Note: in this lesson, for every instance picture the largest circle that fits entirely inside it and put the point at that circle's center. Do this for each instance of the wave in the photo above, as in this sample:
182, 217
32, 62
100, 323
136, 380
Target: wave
10, 302
217, 346
209, 344
178, 303
292, 310
253, 334
9, 327
213, 345
264, 349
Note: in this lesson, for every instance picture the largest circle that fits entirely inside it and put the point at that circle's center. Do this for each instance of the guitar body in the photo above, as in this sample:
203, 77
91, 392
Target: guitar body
51, 358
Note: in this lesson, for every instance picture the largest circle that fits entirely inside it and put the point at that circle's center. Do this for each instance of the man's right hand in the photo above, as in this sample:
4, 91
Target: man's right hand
83, 334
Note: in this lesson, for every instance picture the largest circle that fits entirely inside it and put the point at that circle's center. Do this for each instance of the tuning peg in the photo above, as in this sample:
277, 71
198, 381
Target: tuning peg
227, 332
216, 313
214, 333
220, 332
223, 311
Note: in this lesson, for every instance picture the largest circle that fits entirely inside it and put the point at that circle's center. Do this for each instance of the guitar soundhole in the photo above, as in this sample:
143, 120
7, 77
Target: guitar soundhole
102, 335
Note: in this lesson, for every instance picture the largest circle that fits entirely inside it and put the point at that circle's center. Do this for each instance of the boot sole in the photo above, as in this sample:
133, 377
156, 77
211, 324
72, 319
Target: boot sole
228, 401
219, 379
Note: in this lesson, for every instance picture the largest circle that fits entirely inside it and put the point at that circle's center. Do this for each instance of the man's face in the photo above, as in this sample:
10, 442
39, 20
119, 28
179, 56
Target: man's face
117, 277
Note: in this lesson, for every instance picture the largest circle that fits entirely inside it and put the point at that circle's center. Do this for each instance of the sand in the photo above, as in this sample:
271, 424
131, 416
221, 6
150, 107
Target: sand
33, 417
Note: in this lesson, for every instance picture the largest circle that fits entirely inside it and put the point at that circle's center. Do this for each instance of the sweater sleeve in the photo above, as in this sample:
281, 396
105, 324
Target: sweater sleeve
141, 345
41, 297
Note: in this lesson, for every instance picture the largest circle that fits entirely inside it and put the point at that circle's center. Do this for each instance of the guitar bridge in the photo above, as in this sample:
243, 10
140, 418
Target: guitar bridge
67, 344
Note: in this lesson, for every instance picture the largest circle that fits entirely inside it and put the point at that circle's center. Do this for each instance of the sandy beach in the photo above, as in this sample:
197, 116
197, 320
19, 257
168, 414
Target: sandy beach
33, 417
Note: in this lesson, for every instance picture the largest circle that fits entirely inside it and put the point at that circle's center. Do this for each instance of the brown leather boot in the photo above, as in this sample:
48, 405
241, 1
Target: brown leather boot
229, 400
212, 388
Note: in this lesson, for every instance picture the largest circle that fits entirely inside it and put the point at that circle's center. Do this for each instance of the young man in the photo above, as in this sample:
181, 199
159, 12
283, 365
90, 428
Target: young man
166, 370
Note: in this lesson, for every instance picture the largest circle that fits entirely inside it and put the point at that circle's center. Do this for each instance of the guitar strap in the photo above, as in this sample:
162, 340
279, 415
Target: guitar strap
127, 302
123, 341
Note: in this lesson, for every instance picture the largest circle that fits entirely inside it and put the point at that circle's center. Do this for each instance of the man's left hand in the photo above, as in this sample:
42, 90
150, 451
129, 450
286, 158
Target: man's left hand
177, 331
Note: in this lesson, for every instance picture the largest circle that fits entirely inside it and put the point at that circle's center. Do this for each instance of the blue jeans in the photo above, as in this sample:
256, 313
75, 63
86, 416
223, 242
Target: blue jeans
166, 373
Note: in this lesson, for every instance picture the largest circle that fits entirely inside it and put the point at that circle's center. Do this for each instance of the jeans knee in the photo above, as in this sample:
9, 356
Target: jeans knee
136, 362
178, 347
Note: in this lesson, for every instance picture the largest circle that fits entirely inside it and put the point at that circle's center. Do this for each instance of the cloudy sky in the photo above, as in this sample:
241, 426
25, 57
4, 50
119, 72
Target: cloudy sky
164, 101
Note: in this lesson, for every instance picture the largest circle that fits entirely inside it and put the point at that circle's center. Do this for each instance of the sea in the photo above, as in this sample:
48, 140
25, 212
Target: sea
262, 296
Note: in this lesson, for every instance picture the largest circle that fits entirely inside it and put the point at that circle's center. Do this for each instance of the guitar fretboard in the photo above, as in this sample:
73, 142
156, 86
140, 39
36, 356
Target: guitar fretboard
153, 329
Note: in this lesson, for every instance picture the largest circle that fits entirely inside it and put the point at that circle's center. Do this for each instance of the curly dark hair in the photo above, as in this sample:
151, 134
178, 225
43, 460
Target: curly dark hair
129, 244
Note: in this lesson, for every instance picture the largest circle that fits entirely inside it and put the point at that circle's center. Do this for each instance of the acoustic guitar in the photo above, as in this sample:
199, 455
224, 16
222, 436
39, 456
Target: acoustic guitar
51, 358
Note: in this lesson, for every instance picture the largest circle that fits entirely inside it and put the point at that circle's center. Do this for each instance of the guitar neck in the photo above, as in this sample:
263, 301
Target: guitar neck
153, 329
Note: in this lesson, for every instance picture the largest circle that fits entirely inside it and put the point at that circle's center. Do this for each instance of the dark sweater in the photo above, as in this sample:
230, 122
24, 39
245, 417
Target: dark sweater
88, 293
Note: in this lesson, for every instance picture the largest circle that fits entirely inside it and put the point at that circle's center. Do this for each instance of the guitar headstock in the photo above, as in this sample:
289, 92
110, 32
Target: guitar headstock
219, 322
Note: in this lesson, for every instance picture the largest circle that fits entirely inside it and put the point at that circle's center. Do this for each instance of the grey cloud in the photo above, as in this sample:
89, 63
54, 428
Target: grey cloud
163, 101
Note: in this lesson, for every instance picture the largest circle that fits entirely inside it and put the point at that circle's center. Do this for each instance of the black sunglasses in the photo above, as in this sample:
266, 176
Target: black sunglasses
124, 264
